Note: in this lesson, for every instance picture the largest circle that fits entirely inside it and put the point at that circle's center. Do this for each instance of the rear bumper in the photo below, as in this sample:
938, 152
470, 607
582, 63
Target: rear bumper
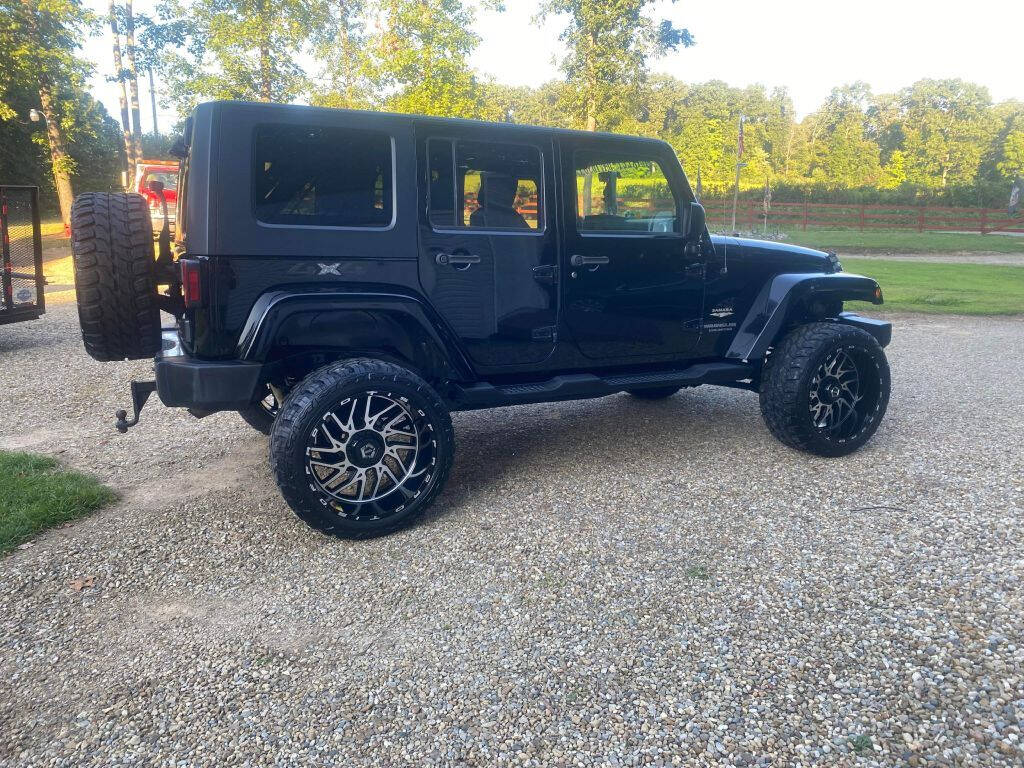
880, 329
203, 385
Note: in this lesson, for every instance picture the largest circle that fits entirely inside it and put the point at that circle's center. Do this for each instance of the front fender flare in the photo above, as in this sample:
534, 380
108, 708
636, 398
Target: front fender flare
784, 294
332, 316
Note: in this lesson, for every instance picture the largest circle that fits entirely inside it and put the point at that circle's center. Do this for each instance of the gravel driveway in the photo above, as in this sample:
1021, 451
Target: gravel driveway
610, 582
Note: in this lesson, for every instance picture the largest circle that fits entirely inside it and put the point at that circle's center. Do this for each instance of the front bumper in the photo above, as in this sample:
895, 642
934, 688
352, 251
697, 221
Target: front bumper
880, 329
183, 381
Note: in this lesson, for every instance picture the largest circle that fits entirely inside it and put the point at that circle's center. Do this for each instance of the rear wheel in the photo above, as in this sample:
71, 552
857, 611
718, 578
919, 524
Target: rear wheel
115, 276
825, 389
261, 415
656, 393
361, 448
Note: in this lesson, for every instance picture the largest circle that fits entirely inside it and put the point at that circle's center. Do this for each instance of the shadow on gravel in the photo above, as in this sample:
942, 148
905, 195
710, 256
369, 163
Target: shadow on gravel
513, 444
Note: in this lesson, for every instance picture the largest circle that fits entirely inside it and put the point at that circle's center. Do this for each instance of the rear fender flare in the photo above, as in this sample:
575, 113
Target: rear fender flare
783, 297
404, 329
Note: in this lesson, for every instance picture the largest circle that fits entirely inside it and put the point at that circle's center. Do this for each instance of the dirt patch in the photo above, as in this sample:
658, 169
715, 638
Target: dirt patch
955, 257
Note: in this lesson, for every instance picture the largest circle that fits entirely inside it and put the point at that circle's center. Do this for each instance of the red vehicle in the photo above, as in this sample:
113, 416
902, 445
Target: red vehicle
163, 171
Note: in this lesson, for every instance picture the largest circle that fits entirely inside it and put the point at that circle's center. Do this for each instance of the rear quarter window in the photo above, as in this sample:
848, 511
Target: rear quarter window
319, 176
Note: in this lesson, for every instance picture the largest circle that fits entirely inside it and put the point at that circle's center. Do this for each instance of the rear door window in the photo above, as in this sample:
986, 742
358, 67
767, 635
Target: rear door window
485, 186
323, 177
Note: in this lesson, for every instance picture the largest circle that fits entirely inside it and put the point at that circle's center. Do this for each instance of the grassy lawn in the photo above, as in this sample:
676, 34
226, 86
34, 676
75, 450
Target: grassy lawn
36, 494
966, 289
885, 241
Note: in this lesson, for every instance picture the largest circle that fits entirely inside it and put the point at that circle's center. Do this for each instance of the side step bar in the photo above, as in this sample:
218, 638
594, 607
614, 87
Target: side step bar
579, 386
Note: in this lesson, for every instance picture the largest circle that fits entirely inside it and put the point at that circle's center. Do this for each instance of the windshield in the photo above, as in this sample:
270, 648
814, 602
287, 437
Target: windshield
169, 179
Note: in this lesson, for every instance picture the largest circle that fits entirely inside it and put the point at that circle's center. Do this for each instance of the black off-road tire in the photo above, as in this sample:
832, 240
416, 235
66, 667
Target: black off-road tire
790, 373
115, 276
655, 393
300, 421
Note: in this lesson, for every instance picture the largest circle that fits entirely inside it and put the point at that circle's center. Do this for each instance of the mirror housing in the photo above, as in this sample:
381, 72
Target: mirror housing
696, 222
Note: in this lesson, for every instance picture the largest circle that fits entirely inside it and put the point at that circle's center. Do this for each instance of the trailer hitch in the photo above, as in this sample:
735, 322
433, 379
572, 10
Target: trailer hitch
141, 390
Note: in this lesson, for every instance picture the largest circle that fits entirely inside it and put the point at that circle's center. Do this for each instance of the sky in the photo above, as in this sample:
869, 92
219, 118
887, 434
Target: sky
808, 46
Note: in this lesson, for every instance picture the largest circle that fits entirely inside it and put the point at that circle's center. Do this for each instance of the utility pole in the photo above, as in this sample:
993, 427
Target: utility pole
739, 165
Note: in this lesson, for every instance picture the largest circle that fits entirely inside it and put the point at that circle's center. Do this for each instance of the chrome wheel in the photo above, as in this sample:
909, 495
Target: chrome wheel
843, 393
269, 404
371, 455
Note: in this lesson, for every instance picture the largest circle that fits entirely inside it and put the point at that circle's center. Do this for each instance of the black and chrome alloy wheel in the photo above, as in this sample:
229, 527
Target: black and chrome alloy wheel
371, 455
843, 393
361, 448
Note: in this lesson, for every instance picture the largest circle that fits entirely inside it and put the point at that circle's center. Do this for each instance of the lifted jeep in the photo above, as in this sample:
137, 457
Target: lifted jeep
346, 279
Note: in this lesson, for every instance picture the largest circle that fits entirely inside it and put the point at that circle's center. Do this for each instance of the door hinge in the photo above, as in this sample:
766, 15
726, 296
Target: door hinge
547, 333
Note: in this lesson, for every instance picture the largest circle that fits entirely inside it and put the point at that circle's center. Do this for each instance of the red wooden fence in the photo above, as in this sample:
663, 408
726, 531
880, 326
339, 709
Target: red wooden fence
750, 217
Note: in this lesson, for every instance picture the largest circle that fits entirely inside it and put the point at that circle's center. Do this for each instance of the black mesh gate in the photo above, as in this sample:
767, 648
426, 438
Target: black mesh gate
21, 274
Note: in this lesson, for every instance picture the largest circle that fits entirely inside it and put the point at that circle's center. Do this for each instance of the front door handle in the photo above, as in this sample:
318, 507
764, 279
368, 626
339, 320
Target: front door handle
588, 261
457, 259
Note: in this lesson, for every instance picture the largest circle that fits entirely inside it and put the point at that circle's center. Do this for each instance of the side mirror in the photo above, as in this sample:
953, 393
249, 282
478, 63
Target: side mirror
696, 222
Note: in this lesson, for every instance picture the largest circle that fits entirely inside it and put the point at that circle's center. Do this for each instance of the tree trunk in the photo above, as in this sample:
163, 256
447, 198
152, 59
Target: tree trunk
265, 86
590, 97
61, 161
133, 80
129, 147
152, 99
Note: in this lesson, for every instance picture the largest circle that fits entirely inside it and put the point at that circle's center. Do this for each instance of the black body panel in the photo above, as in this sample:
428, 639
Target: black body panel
495, 315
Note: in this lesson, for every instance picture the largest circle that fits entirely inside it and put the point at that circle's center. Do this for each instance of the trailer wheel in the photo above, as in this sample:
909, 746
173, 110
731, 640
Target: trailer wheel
115, 276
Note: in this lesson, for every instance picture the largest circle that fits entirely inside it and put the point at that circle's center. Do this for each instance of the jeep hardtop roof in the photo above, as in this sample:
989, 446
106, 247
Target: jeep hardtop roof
367, 118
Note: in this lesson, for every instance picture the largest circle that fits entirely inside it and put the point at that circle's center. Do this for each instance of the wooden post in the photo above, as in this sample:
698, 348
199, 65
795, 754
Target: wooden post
920, 219
984, 221
805, 213
862, 217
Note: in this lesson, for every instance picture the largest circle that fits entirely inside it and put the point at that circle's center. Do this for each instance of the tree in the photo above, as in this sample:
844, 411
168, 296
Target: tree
341, 49
119, 77
133, 80
946, 124
840, 154
610, 45
420, 58
241, 49
39, 43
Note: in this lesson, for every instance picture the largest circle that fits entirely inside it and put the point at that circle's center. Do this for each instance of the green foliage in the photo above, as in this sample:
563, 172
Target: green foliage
609, 47
92, 138
240, 49
36, 494
946, 125
420, 56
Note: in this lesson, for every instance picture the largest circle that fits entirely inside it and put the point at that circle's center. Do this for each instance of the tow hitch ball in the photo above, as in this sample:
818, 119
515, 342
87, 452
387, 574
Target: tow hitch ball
141, 390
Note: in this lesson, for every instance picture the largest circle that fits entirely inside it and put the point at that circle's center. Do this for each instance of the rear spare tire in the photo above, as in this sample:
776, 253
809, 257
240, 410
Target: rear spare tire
115, 276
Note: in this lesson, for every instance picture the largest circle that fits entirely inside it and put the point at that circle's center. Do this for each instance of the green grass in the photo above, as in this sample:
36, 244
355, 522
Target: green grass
886, 241
961, 289
35, 494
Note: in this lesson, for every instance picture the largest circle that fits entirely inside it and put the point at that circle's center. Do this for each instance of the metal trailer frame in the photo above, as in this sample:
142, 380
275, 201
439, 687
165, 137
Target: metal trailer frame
10, 311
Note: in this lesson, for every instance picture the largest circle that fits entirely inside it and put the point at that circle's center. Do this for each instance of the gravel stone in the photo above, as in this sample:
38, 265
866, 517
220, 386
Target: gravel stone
603, 583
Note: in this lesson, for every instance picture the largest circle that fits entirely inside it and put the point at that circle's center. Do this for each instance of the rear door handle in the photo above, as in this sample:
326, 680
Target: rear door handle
588, 261
457, 259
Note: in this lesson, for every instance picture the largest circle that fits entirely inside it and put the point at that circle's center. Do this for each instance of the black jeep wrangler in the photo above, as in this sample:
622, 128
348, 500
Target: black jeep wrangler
345, 279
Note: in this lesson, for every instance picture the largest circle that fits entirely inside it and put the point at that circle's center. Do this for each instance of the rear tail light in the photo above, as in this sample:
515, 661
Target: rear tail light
192, 282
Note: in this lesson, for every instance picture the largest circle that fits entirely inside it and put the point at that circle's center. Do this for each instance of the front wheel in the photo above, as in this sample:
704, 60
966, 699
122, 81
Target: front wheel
825, 389
361, 448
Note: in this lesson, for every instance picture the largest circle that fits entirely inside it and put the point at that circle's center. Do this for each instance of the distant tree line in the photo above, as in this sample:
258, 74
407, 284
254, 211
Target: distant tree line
936, 141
